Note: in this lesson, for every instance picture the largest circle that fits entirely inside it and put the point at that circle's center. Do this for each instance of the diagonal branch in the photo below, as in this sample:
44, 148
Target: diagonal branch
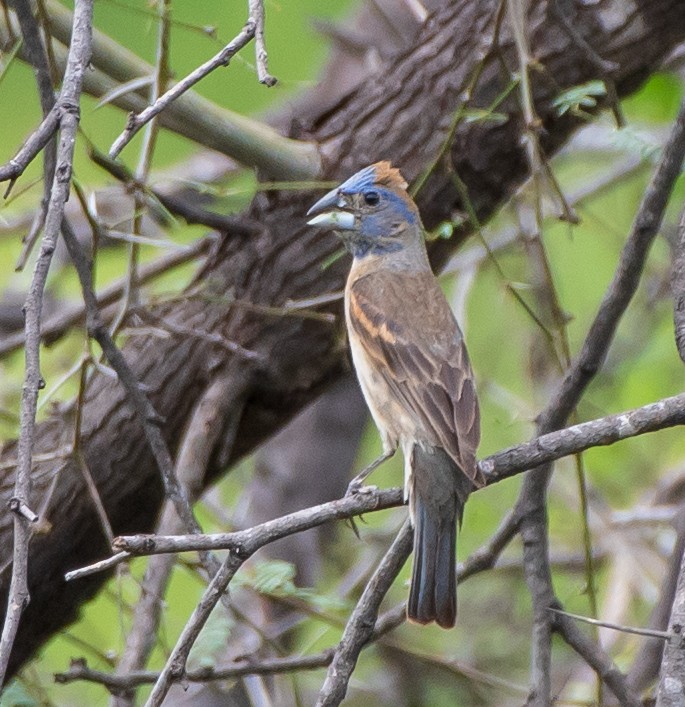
137, 121
359, 627
531, 505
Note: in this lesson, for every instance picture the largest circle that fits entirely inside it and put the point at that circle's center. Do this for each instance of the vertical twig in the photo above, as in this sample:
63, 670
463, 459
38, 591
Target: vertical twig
39, 60
671, 691
69, 100
678, 287
256, 9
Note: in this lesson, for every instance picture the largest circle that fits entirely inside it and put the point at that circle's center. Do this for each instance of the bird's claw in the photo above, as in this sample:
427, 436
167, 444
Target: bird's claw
356, 487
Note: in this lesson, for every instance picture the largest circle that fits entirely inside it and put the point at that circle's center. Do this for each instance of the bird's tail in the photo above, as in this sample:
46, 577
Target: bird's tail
438, 491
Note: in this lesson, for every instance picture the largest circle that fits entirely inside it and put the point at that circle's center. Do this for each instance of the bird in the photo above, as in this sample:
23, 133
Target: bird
414, 371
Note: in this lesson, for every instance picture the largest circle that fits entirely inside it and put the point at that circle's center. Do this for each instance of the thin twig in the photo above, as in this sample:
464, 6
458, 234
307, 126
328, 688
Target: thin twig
652, 633
150, 418
246, 140
176, 664
38, 57
625, 280
101, 566
39, 138
257, 16
59, 324
136, 121
205, 430
678, 287
69, 100
118, 684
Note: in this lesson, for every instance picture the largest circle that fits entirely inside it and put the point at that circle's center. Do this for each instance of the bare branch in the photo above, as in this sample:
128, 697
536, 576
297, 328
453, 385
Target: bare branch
149, 417
625, 281
118, 684
191, 462
101, 566
257, 16
597, 659
247, 140
359, 628
665, 413
69, 99
671, 686
531, 505
136, 122
175, 665
246, 542
678, 287
653, 633
31, 148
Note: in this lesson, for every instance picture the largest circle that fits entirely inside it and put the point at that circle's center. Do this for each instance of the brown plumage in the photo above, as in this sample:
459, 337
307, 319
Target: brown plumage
412, 341
413, 369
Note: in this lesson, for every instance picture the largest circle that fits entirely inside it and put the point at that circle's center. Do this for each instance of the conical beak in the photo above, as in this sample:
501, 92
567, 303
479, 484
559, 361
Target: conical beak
328, 211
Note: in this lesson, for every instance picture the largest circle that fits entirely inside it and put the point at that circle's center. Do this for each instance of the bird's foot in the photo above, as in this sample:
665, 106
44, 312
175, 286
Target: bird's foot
357, 486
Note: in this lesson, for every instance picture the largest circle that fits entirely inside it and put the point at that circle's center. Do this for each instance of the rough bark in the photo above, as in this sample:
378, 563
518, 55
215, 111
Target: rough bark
402, 113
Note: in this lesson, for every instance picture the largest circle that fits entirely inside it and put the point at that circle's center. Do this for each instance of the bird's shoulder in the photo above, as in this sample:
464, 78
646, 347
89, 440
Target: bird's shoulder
398, 305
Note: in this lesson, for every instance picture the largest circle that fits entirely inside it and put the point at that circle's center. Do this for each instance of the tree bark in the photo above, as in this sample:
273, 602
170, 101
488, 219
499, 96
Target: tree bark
404, 113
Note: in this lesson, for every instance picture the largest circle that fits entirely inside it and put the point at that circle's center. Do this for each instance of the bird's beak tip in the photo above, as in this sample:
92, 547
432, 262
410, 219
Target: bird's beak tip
333, 219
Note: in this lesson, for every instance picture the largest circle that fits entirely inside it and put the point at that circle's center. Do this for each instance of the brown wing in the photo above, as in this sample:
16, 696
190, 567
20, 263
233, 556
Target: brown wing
406, 327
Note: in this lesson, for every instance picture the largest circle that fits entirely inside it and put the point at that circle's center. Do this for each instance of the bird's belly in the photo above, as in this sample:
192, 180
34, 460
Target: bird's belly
393, 421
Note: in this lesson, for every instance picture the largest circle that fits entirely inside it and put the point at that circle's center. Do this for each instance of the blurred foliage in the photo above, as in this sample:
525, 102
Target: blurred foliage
643, 365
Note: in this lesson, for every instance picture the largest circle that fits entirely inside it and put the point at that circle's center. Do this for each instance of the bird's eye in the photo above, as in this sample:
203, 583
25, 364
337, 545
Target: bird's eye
371, 198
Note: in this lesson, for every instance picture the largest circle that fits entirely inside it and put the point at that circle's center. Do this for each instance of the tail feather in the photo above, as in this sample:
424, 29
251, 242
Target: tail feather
437, 495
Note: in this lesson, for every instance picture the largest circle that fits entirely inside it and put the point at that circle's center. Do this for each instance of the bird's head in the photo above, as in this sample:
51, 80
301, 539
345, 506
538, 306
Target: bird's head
371, 211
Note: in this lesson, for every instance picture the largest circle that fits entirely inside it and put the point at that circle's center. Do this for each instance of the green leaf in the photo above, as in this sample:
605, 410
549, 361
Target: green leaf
576, 98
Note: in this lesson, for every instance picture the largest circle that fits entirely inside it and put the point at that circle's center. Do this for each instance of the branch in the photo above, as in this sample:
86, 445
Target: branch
198, 442
175, 665
137, 121
250, 142
671, 686
117, 684
38, 139
678, 287
531, 505
625, 281
38, 58
69, 100
149, 417
246, 542
257, 15
359, 628
604, 431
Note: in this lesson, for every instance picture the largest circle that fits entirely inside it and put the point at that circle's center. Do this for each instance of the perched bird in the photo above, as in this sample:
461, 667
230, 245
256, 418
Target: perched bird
412, 365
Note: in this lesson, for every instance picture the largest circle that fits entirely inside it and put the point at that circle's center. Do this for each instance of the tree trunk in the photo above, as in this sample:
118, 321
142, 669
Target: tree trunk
403, 113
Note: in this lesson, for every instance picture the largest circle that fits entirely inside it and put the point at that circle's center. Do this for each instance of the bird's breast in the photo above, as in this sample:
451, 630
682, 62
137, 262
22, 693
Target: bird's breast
394, 422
